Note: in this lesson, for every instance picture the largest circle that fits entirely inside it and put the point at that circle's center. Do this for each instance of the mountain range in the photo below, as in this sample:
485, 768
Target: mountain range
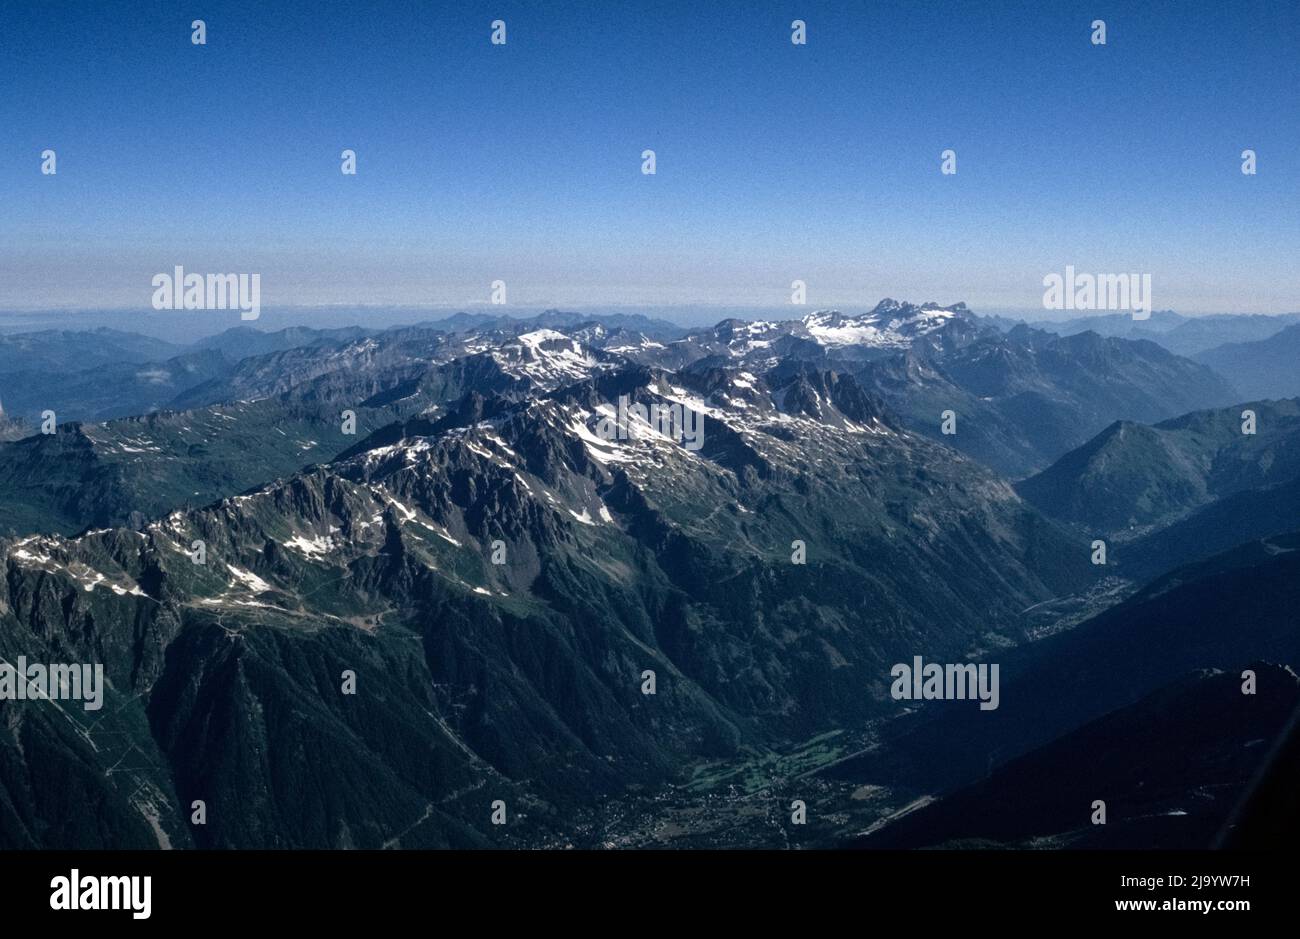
353, 587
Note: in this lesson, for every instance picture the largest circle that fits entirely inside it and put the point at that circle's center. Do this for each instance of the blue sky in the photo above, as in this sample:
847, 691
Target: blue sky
775, 162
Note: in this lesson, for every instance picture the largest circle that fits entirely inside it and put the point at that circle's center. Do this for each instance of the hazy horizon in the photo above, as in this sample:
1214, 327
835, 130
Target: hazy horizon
193, 325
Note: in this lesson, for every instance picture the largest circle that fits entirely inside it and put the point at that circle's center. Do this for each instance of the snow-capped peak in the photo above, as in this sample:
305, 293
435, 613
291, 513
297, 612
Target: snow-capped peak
891, 324
548, 357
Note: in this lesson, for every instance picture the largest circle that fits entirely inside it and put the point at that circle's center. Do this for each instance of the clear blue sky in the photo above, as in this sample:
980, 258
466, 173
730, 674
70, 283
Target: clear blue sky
775, 161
